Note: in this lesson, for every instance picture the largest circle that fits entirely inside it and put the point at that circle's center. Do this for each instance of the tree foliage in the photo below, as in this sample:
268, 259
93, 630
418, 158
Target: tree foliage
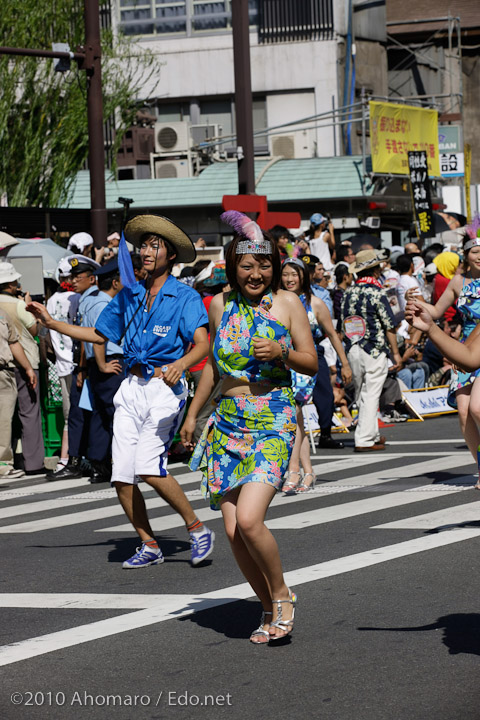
43, 113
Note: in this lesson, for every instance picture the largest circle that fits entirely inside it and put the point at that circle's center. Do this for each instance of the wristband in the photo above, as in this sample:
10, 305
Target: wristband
285, 352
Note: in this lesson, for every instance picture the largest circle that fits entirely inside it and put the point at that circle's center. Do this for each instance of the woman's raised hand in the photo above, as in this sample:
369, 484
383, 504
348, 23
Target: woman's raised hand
39, 311
417, 315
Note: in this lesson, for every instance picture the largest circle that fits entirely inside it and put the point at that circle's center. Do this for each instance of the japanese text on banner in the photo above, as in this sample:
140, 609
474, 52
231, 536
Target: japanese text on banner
395, 130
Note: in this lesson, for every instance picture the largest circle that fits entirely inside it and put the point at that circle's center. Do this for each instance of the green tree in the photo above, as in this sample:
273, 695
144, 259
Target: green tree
43, 113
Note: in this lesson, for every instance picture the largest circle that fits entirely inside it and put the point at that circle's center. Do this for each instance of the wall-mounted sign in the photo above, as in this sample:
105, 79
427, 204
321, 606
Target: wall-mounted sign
395, 130
451, 151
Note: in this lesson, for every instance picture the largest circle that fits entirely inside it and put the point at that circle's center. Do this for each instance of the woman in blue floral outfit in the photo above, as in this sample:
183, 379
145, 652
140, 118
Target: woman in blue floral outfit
246, 444
296, 278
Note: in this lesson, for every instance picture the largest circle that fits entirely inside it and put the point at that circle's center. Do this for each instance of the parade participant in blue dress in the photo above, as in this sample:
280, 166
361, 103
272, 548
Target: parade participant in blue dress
464, 289
296, 278
256, 331
158, 319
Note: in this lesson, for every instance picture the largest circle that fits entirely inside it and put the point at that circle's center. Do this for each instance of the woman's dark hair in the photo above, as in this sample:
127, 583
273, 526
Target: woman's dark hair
171, 250
278, 231
232, 260
304, 276
341, 271
465, 263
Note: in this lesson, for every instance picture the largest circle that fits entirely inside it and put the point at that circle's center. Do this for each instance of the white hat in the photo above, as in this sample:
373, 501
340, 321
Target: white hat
80, 241
63, 269
431, 269
7, 240
297, 232
8, 273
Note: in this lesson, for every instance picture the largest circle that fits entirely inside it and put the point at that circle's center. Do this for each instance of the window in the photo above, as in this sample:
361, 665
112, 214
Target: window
181, 17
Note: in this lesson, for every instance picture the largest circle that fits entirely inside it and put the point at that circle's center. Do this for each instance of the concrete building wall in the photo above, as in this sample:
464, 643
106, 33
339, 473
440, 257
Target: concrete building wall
203, 67
471, 115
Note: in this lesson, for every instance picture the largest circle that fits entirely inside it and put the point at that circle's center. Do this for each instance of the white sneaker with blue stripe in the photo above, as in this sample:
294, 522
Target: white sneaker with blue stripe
202, 545
144, 556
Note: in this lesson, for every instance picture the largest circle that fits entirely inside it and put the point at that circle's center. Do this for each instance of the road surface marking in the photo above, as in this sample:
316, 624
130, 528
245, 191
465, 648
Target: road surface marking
174, 606
439, 519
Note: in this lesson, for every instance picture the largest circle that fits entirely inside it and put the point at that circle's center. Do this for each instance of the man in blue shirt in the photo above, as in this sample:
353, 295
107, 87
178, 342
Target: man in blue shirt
158, 319
105, 375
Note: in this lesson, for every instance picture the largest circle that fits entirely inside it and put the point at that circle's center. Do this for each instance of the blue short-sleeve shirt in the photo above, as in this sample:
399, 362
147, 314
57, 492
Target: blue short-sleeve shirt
93, 309
158, 336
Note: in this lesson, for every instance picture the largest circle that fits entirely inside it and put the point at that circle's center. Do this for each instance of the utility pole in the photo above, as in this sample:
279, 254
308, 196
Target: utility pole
243, 97
96, 145
88, 59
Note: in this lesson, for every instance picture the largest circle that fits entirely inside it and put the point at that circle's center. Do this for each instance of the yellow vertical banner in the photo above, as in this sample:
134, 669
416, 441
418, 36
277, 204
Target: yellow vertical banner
467, 151
396, 130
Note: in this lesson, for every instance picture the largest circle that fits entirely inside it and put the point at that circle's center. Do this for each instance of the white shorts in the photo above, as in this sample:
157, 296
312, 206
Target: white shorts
147, 417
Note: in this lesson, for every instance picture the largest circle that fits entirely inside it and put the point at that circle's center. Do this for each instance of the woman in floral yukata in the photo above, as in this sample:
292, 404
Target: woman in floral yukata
245, 448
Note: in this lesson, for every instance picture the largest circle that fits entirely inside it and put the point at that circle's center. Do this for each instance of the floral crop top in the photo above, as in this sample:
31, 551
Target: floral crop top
233, 349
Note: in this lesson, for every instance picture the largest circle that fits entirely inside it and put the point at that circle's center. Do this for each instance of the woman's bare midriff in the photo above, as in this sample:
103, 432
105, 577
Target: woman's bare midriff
232, 387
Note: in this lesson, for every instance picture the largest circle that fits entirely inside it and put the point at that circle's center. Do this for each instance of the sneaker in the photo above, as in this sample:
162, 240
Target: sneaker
202, 545
394, 416
144, 556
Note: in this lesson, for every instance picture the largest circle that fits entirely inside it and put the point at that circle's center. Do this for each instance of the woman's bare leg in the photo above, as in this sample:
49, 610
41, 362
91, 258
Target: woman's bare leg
245, 561
252, 504
474, 414
468, 425
294, 464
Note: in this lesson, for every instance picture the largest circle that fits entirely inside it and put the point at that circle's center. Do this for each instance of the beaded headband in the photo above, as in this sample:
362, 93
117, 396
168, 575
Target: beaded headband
471, 243
473, 232
254, 243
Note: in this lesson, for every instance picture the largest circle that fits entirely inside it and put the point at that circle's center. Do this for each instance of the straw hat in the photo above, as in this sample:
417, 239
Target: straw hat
367, 259
167, 229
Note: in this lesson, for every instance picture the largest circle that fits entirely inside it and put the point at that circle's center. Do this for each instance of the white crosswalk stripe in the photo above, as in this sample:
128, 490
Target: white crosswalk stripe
383, 483
170, 521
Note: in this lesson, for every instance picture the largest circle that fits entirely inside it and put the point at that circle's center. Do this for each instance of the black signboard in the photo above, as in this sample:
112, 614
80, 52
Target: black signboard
422, 204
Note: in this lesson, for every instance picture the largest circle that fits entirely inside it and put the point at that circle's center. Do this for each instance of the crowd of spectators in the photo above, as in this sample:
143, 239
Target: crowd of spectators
362, 291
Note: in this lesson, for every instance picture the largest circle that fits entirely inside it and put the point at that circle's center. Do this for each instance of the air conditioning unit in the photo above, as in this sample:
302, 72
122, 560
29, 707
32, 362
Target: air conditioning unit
296, 145
207, 132
172, 137
173, 168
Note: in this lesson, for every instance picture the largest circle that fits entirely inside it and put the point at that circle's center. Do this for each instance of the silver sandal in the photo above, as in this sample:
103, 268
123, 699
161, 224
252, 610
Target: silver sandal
290, 487
260, 632
306, 488
286, 625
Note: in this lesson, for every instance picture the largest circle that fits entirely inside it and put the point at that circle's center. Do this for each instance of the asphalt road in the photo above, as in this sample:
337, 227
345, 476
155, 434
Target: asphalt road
383, 557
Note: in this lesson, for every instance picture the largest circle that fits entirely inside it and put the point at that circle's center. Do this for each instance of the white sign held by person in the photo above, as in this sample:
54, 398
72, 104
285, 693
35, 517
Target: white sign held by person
428, 401
310, 418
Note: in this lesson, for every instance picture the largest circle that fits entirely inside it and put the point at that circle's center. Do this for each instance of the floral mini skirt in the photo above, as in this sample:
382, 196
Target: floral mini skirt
248, 438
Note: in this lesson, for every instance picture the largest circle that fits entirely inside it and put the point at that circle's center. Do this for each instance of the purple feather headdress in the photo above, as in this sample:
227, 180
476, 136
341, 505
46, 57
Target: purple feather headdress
254, 243
473, 232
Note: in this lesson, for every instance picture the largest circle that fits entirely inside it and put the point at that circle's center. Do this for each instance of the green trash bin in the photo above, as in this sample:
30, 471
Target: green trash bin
52, 409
